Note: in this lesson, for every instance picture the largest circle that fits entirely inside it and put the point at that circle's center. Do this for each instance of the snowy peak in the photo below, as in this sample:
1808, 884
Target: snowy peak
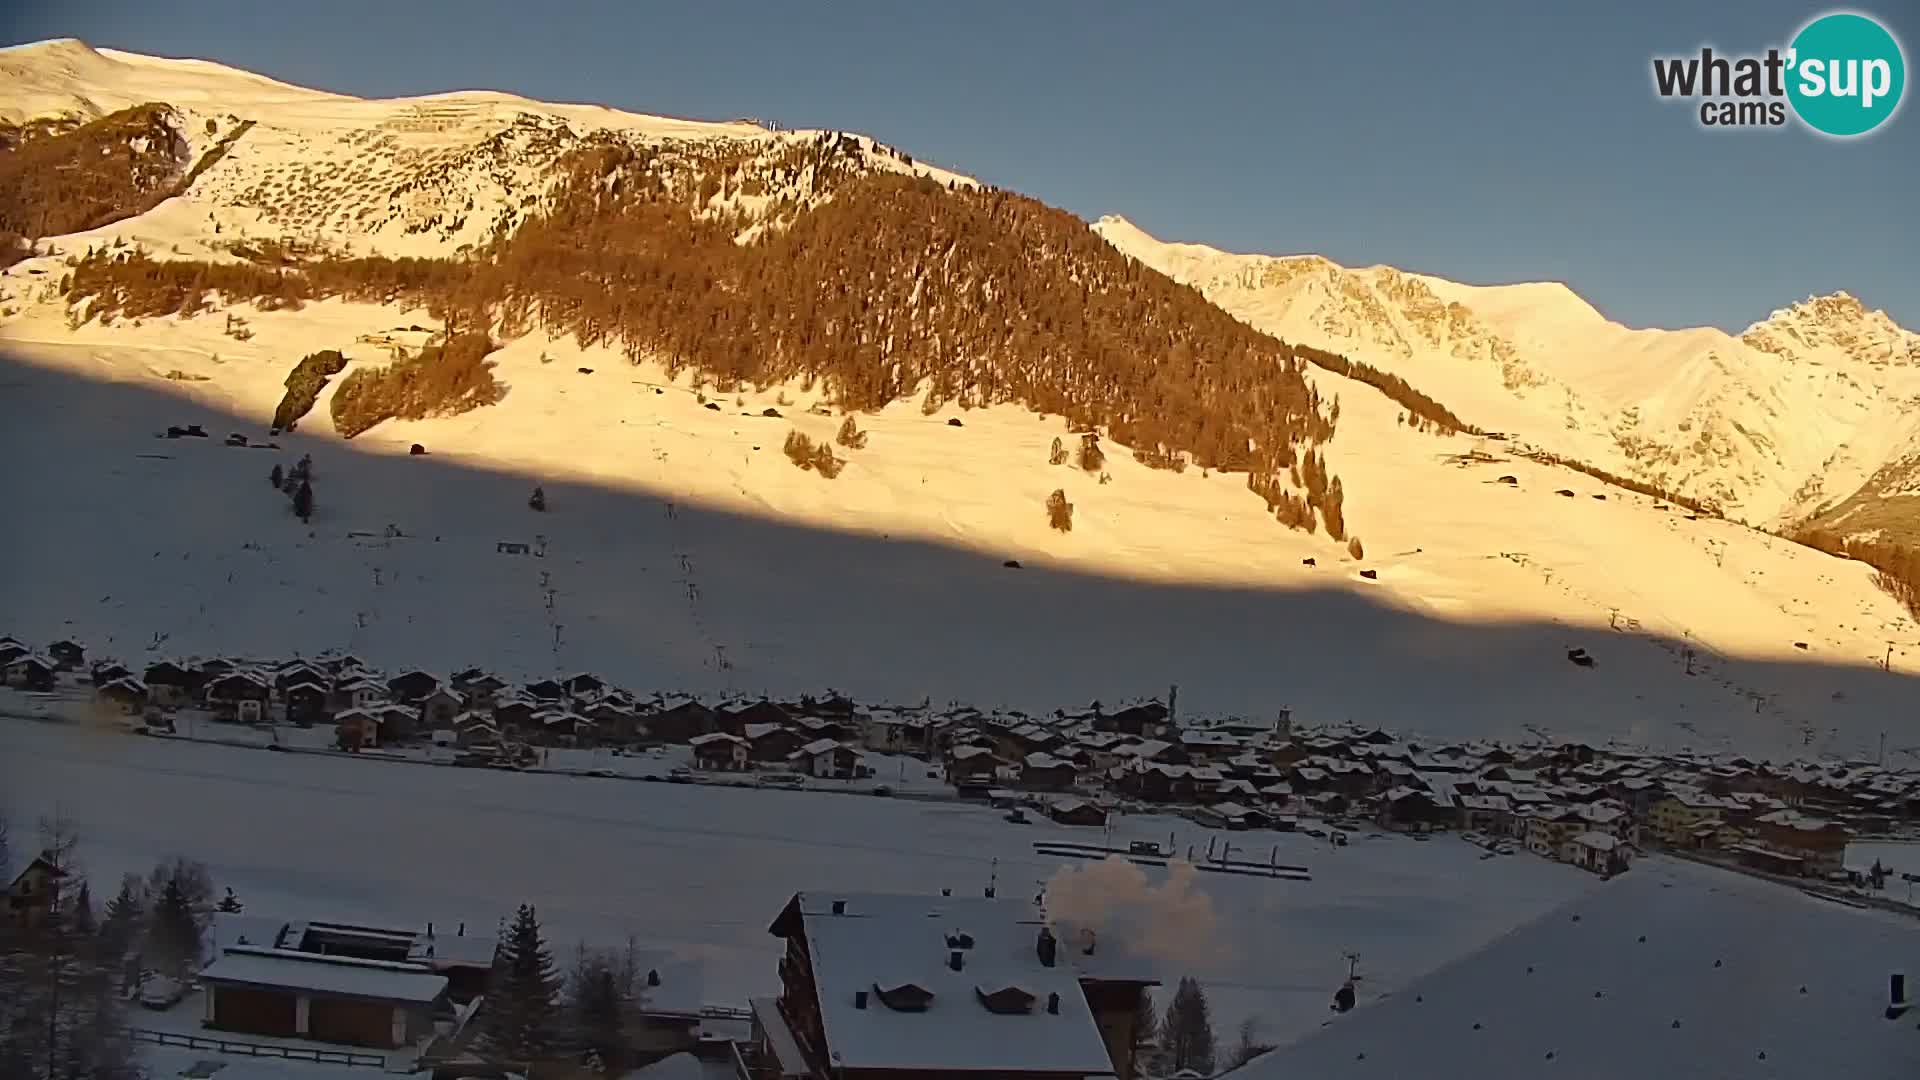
1800, 410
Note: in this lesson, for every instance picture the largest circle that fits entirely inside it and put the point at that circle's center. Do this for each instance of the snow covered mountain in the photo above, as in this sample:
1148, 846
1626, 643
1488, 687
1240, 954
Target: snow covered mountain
1799, 413
684, 549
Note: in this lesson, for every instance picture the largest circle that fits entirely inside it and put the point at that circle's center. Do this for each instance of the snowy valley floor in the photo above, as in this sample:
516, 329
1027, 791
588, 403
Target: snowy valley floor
702, 871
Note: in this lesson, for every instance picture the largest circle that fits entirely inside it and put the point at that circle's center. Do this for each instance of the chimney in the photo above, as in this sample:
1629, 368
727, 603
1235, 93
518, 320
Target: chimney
1046, 947
839, 907
1053, 1004
956, 959
1897, 1003
859, 999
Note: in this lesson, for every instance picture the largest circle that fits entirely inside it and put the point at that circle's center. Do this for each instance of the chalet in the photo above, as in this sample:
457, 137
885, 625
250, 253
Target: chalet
413, 686
1550, 827
289, 993
584, 685
30, 672
480, 689
547, 690
338, 666
553, 726
1408, 809
238, 696
1045, 772
300, 671
680, 723
1234, 816
1146, 720
971, 763
307, 703
169, 684
894, 731
1202, 745
1235, 789
1076, 811
358, 692
824, 727
12, 648
1601, 852
827, 759
1206, 781
34, 892
214, 667
472, 728
1676, 817
1818, 846
720, 752
67, 655
356, 729
877, 987
126, 695
104, 673
515, 714
398, 723
1158, 783
438, 708
1484, 813
763, 713
614, 722
1278, 794
1284, 755
1155, 750
771, 744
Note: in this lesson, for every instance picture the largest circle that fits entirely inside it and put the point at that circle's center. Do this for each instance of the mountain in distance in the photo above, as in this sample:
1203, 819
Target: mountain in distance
669, 324
1813, 410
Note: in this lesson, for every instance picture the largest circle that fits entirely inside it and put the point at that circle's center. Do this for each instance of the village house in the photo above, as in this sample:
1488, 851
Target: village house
1407, 809
30, 672
827, 759
1677, 818
398, 723
971, 763
877, 987
549, 691
413, 686
357, 691
1811, 846
356, 729
34, 892
680, 723
67, 654
238, 697
584, 686
438, 708
306, 704
720, 752
1157, 782
126, 696
762, 713
1145, 720
11, 649
287, 993
1072, 810
299, 671
515, 714
479, 689
771, 744
1550, 827
169, 685
1234, 816
1042, 771
1484, 813
555, 726
614, 722
473, 728
1600, 852
107, 671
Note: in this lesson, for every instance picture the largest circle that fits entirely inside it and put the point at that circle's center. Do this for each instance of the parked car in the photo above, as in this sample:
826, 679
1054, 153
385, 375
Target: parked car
681, 775
782, 779
162, 992
882, 790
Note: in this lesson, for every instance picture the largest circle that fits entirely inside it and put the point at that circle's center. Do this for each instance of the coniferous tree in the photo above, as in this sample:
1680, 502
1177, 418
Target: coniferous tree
1146, 1021
229, 904
175, 931
521, 1013
278, 476
851, 436
1186, 1033
538, 500
1057, 455
80, 916
1060, 511
303, 501
124, 916
599, 1005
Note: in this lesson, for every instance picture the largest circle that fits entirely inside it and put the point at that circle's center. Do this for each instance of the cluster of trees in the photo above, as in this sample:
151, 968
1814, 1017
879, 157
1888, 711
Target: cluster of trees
55, 181
850, 435
535, 1016
447, 378
818, 457
304, 384
297, 485
1418, 405
893, 285
1183, 1036
1898, 565
1059, 510
63, 980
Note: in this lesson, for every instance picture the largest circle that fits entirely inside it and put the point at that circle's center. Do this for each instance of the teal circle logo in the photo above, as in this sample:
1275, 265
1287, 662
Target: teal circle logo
1845, 74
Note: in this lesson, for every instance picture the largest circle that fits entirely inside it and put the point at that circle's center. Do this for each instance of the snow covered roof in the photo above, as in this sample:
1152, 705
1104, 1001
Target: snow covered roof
285, 969
1040, 759
713, 737
1598, 841
1672, 970
884, 941
819, 746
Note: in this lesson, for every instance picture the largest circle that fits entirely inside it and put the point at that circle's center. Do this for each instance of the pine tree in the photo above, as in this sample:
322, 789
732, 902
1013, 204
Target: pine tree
229, 904
1060, 511
1146, 1021
521, 1014
1057, 455
538, 500
175, 933
599, 1003
80, 918
278, 476
125, 912
303, 501
851, 436
1186, 1034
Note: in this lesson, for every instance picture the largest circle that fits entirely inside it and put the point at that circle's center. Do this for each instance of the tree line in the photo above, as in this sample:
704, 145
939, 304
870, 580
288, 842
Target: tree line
1896, 565
55, 180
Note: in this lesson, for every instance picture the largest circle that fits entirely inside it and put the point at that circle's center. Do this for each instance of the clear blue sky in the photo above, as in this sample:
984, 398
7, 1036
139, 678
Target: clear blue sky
1483, 141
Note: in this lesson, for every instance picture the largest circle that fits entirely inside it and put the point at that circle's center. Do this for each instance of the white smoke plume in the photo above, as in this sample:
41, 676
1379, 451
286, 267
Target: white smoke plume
1115, 900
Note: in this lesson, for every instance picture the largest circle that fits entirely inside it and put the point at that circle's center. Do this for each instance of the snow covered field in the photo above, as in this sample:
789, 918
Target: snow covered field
702, 871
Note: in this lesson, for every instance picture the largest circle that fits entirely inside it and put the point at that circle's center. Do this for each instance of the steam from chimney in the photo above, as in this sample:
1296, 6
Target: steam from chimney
1115, 900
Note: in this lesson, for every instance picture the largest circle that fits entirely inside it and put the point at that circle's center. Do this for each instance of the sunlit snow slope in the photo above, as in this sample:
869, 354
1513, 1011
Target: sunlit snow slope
683, 550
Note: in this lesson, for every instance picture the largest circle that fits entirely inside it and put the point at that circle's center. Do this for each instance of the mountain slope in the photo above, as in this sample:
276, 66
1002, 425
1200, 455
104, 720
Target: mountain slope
731, 272
1798, 412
